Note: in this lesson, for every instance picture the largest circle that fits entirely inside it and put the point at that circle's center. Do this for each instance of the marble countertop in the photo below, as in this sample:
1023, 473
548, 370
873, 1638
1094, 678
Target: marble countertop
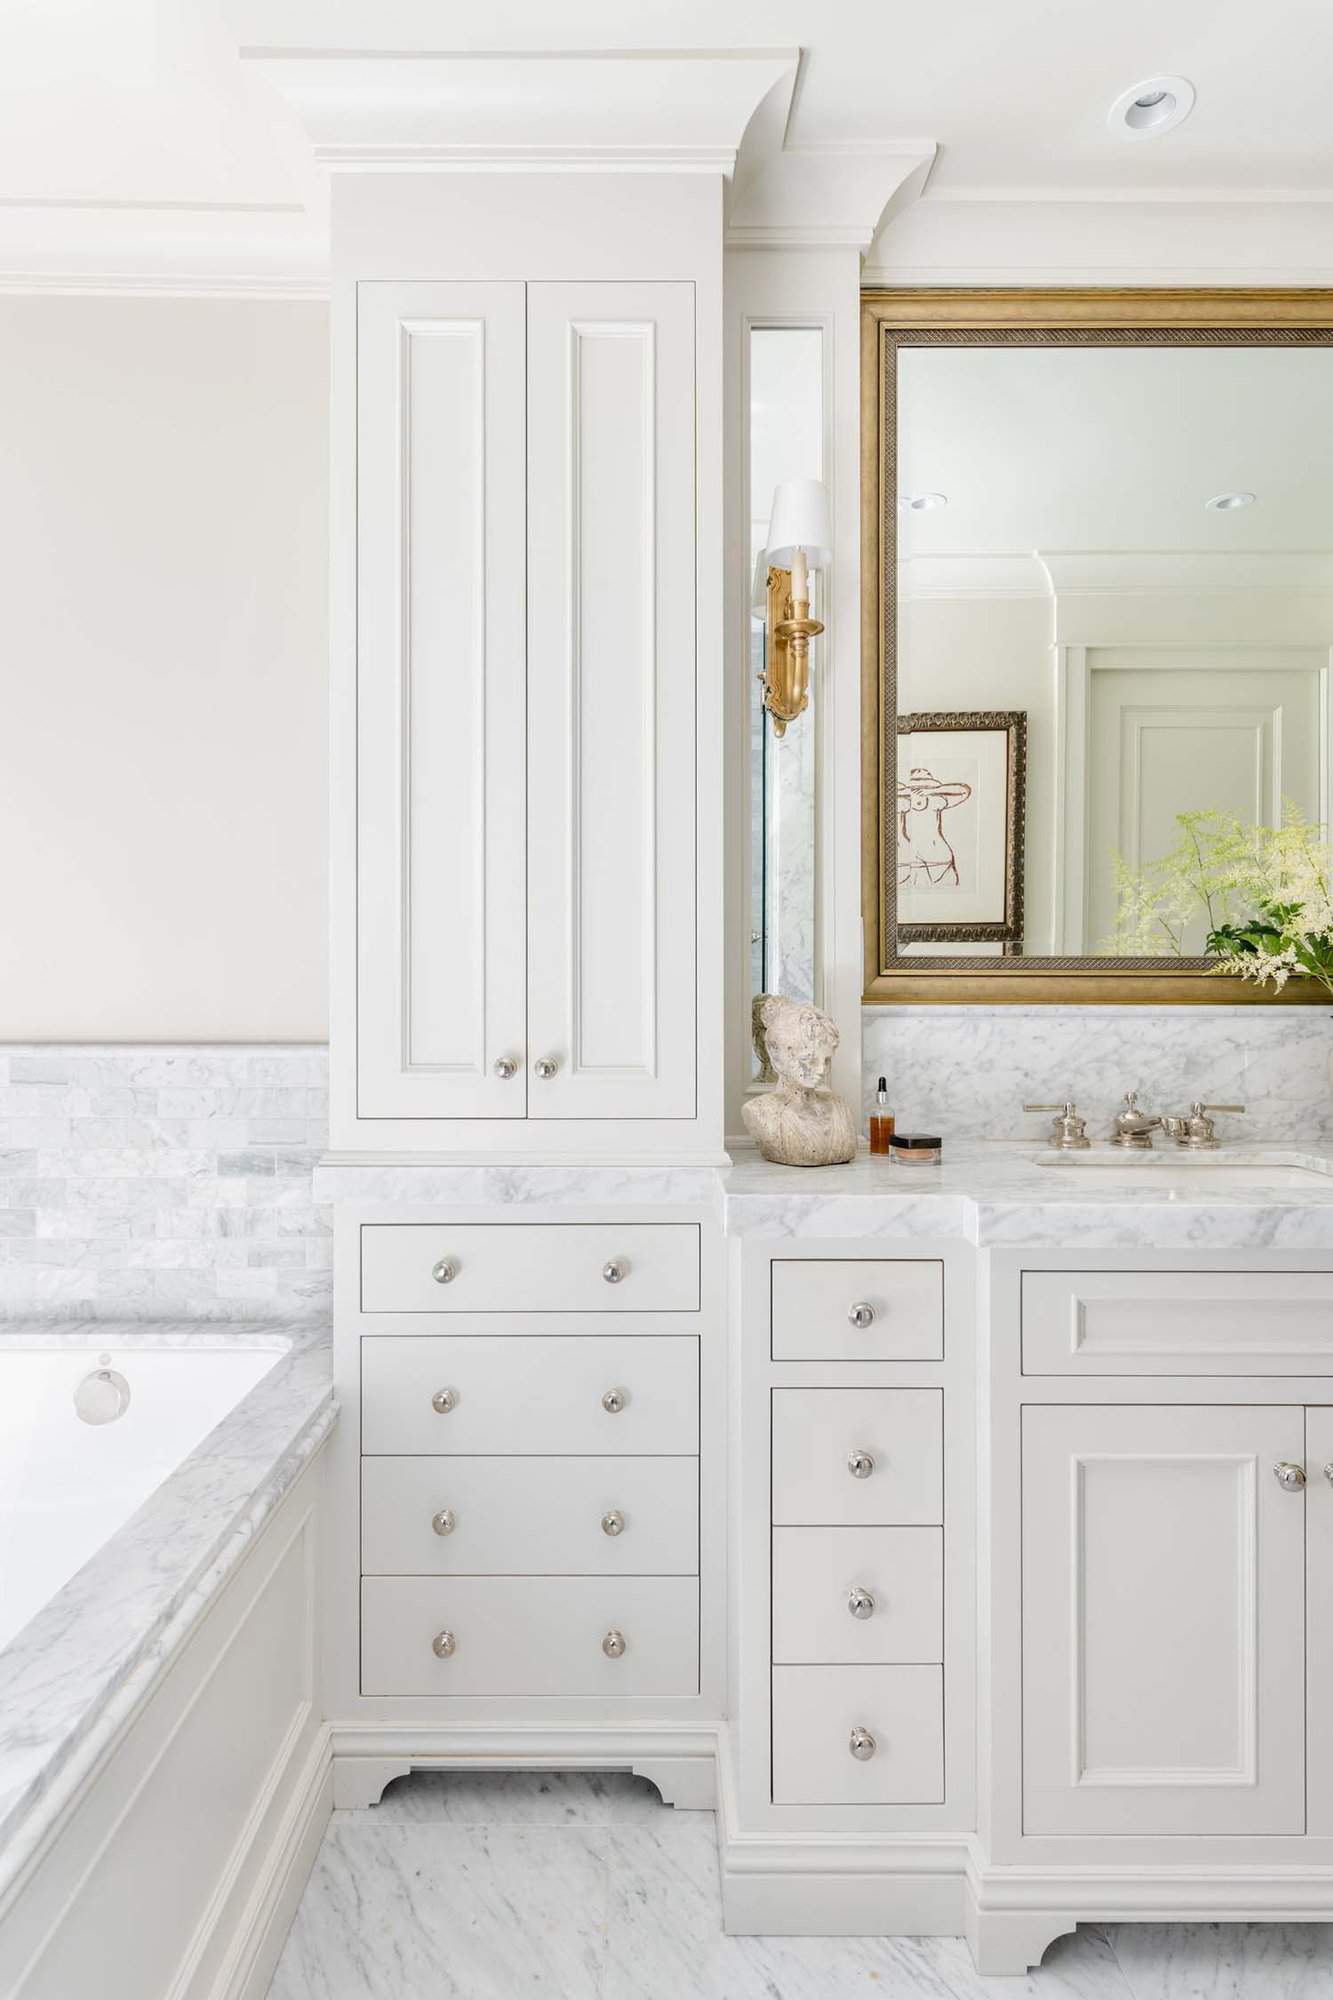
70, 1677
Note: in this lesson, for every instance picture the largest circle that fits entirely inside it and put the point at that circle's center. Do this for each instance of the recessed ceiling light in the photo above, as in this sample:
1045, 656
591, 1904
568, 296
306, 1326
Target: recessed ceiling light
924, 503
1227, 503
1152, 107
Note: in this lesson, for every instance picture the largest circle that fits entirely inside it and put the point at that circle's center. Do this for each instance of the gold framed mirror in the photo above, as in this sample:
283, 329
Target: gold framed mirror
1099, 525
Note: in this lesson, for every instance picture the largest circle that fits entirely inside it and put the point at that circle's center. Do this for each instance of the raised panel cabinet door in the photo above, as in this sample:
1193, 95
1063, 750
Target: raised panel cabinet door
1319, 1616
1163, 1621
611, 701
440, 701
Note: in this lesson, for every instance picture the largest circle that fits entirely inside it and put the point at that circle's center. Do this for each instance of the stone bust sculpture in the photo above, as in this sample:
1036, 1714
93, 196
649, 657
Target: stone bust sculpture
799, 1123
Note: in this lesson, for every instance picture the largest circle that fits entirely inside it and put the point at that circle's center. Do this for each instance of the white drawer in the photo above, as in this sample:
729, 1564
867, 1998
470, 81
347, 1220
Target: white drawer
530, 1636
538, 1267
530, 1516
1177, 1322
816, 1433
818, 1572
815, 1710
513, 1396
820, 1308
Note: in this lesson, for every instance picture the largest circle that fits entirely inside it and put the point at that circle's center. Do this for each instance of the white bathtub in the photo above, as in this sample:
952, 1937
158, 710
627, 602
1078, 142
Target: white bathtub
66, 1485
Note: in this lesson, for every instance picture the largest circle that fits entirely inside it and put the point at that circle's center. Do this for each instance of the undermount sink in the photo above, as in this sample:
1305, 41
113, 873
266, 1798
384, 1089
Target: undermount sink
1195, 1170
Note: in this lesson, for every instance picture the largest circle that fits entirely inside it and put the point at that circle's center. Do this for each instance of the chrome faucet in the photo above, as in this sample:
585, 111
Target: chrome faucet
1134, 1128
1068, 1130
1195, 1129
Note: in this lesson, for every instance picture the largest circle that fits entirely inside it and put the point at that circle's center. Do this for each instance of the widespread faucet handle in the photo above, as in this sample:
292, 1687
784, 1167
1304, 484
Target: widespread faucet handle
1068, 1130
1196, 1130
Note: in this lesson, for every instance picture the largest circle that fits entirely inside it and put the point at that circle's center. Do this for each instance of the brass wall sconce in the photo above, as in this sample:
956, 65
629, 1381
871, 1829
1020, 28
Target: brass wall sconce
798, 541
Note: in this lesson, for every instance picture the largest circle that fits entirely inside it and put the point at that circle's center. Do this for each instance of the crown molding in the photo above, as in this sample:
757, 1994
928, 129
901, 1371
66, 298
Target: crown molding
163, 250
1098, 572
608, 110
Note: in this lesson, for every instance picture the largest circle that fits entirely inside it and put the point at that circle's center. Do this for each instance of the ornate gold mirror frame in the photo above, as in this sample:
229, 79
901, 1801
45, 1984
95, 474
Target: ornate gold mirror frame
891, 320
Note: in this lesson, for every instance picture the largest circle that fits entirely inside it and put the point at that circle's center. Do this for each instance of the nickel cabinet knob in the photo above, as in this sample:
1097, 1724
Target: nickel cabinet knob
860, 1464
546, 1067
613, 1523
614, 1270
1328, 1471
443, 1401
861, 1315
444, 1522
445, 1271
444, 1645
861, 1603
613, 1645
506, 1066
1289, 1477
862, 1745
614, 1401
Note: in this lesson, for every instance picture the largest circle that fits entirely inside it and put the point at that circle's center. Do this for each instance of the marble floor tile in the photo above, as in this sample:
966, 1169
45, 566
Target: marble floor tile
509, 1798
440, 1912
1226, 1961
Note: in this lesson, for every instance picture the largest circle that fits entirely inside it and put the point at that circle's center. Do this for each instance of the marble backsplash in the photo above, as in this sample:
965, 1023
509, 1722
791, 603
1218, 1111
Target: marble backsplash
155, 1181
966, 1072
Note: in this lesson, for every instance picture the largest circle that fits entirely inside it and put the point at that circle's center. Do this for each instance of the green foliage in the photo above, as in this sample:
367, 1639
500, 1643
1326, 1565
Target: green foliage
1264, 890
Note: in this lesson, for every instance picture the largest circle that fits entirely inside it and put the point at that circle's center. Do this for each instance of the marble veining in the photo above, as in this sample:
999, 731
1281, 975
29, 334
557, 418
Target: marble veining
72, 1675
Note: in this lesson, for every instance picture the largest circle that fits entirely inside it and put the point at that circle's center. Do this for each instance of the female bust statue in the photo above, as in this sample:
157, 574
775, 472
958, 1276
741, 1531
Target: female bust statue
800, 1123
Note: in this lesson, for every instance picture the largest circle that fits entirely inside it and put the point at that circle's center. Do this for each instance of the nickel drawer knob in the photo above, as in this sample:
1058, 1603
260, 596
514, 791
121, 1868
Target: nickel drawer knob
861, 1315
862, 1745
444, 1645
860, 1464
445, 1271
444, 1522
861, 1603
546, 1067
506, 1066
614, 1270
443, 1401
614, 1401
613, 1645
613, 1523
1289, 1477
1328, 1471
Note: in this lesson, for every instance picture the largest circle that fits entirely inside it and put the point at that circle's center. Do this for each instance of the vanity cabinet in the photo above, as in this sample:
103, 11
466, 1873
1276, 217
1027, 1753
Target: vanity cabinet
526, 728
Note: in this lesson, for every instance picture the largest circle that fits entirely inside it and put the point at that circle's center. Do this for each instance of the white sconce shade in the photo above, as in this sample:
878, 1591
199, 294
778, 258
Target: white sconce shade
800, 521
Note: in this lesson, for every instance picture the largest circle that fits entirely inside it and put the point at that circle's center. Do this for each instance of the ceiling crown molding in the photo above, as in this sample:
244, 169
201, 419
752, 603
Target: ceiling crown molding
592, 110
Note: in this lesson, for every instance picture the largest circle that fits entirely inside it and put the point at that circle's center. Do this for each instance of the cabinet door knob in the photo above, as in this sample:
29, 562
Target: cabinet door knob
444, 1522
861, 1315
614, 1401
613, 1645
1328, 1471
613, 1523
506, 1066
443, 1401
615, 1269
862, 1745
443, 1645
546, 1067
1289, 1477
445, 1271
860, 1464
861, 1603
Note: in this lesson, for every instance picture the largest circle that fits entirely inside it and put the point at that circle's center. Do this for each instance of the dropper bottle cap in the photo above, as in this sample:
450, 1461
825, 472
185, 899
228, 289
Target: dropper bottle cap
882, 1096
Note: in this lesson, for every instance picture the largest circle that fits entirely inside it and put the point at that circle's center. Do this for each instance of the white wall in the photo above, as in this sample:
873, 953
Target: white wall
163, 669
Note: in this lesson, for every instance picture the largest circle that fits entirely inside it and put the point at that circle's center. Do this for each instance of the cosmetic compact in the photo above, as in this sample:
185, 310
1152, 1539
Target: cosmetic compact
917, 1149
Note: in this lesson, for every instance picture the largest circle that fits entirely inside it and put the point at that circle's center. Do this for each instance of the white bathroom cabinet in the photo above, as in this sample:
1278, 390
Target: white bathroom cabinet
525, 783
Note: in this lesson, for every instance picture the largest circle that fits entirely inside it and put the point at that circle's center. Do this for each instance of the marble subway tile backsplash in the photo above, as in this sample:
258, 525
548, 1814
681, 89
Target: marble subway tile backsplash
151, 1181
966, 1072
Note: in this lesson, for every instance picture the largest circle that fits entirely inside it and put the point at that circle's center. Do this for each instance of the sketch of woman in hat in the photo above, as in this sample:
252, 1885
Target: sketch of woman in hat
926, 859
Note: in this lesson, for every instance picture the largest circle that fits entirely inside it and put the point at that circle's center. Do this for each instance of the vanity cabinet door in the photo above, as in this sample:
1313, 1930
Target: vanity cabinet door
1163, 1621
1319, 1614
611, 701
440, 701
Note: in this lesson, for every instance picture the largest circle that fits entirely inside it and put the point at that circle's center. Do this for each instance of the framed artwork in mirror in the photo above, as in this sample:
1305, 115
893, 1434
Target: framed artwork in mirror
1097, 639
959, 831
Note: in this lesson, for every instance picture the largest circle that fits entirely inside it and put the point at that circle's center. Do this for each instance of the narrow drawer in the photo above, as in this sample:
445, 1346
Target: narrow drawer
534, 1635
816, 1709
835, 1309
858, 1596
510, 1396
530, 1516
521, 1267
1177, 1322
818, 1432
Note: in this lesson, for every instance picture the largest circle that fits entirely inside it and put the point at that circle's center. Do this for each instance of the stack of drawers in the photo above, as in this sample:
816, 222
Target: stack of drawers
529, 1470
858, 1542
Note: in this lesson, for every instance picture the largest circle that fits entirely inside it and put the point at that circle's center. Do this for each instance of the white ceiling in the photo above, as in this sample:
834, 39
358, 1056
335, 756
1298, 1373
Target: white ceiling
131, 121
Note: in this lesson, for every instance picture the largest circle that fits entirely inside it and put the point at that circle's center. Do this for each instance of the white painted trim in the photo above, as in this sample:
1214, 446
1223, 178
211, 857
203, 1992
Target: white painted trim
248, 1969
167, 285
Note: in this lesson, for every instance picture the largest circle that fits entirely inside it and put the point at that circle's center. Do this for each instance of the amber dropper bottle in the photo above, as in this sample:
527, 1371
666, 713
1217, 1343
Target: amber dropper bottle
881, 1120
